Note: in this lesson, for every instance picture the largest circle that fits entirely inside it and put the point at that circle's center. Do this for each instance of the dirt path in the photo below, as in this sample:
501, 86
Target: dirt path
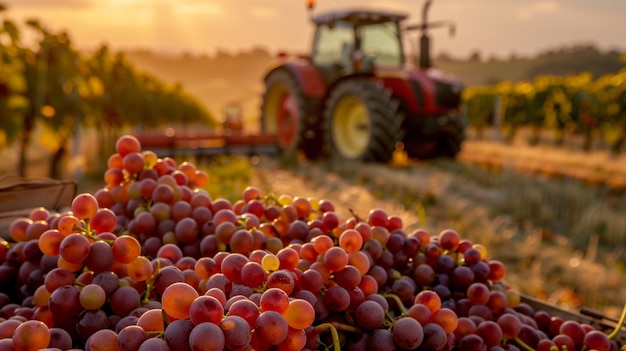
598, 167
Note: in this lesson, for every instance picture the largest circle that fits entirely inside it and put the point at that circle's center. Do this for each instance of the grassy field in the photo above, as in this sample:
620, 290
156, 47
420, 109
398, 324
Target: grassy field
598, 167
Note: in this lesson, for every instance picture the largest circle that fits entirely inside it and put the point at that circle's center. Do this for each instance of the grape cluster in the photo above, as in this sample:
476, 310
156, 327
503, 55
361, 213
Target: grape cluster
151, 261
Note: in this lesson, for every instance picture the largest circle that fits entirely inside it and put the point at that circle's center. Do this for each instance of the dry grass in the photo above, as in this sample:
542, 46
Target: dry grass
598, 167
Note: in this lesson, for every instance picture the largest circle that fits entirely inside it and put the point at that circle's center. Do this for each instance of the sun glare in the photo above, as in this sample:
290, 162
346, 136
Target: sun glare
206, 9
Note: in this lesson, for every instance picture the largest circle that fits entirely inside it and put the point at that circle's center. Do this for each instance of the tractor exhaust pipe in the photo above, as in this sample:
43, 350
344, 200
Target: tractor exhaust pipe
425, 61
424, 41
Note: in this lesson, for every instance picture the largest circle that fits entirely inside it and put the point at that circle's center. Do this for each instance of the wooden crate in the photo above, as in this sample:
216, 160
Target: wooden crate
18, 196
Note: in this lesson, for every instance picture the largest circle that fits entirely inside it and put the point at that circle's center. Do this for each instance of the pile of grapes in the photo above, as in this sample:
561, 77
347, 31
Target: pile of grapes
151, 261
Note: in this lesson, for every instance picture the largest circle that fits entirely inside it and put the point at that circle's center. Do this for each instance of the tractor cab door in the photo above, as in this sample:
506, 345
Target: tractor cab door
333, 49
380, 44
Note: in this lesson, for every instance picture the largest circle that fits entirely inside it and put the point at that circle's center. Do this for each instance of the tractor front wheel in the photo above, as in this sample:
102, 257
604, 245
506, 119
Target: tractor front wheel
362, 121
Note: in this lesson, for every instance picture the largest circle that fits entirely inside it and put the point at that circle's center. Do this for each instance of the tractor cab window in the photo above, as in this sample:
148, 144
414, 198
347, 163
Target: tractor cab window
333, 44
381, 43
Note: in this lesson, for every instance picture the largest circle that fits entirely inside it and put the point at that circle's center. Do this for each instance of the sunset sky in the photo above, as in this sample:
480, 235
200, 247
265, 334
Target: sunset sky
495, 27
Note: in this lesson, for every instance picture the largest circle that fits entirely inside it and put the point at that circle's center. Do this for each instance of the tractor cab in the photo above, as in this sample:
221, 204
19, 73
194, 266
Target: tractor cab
356, 41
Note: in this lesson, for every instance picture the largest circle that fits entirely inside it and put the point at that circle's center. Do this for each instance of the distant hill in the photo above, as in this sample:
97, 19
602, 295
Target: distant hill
563, 61
215, 80
224, 77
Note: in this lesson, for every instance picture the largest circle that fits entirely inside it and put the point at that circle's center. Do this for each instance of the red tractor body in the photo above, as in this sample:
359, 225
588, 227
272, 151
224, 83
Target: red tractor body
355, 97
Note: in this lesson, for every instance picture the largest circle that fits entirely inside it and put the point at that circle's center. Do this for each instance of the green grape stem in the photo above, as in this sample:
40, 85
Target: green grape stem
166, 320
155, 334
401, 306
91, 234
150, 284
321, 345
522, 344
346, 327
270, 197
619, 325
333, 332
389, 320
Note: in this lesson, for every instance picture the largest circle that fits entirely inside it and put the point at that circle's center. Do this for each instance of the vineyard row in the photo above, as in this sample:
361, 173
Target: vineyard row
572, 105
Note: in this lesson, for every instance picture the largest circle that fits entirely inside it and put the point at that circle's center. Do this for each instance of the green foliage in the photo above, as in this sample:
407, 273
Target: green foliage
230, 174
12, 85
480, 103
563, 104
58, 88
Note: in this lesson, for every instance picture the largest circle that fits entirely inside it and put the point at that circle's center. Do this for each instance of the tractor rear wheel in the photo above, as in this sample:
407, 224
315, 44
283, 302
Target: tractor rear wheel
437, 145
282, 113
362, 121
450, 146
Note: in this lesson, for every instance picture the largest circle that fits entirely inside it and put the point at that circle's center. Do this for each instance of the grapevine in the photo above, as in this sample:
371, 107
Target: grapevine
571, 105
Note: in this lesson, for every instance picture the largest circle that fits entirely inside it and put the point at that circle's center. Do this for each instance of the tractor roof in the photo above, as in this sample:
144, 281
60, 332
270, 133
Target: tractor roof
359, 16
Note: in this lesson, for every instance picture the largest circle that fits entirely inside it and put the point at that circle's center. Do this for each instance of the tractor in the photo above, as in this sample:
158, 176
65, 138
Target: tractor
356, 96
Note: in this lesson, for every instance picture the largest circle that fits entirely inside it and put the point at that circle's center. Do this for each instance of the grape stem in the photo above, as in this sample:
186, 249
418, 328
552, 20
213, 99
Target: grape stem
619, 325
271, 197
346, 327
166, 320
321, 343
333, 332
398, 302
91, 234
155, 334
150, 284
356, 216
389, 320
522, 344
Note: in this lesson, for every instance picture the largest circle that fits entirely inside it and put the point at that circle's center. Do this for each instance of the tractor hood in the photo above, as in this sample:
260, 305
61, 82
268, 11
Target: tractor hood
436, 74
430, 74
424, 90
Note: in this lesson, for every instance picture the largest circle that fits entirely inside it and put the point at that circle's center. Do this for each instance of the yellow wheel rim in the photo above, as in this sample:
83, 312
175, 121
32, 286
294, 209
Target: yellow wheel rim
272, 106
351, 127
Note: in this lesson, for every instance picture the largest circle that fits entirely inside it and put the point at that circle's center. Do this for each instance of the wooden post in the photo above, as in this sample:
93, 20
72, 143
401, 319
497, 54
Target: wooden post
497, 118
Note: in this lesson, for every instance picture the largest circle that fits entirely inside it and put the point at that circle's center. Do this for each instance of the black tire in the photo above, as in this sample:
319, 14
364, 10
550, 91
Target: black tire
363, 122
286, 122
450, 146
421, 147
442, 144
432, 147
